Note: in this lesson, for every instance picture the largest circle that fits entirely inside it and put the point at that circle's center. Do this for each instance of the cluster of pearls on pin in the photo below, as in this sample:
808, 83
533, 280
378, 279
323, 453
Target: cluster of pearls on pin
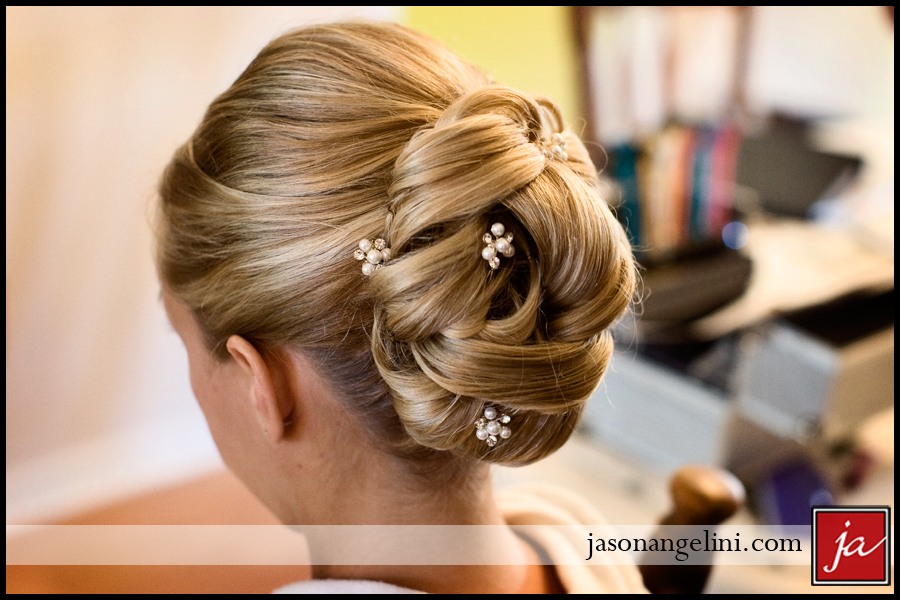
555, 148
491, 426
496, 243
373, 253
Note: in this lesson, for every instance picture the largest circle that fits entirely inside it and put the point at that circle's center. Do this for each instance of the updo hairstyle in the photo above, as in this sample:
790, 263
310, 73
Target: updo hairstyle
329, 130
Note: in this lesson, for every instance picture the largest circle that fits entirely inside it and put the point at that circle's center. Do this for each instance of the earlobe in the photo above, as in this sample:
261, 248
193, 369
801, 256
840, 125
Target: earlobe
263, 390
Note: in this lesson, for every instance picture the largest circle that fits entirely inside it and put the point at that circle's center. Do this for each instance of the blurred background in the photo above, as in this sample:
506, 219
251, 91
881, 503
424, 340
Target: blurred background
748, 151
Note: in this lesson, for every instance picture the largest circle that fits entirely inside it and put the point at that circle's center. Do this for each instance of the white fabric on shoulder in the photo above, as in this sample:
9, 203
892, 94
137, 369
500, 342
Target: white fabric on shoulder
343, 586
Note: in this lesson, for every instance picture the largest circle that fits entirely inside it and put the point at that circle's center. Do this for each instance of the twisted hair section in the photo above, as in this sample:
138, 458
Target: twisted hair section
329, 129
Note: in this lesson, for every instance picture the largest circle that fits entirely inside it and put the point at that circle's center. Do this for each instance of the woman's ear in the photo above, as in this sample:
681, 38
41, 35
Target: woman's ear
269, 397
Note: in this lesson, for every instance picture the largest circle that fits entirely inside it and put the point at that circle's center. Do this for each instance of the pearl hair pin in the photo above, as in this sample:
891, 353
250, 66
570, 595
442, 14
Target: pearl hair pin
374, 253
496, 243
491, 426
555, 148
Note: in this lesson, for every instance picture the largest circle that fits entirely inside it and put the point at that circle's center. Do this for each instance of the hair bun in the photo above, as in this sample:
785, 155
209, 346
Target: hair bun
450, 334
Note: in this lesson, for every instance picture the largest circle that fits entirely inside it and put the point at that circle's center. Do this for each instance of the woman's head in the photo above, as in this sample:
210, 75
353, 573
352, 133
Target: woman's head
330, 129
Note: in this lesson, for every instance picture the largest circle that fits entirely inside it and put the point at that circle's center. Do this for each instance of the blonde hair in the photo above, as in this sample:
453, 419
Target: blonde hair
329, 129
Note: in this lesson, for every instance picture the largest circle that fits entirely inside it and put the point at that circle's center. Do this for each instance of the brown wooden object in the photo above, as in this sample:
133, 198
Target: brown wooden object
700, 496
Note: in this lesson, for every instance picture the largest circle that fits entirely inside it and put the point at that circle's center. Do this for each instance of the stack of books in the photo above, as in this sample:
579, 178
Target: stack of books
677, 187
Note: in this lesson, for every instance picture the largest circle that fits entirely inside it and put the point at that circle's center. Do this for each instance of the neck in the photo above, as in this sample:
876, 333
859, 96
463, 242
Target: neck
367, 490
521, 573
352, 486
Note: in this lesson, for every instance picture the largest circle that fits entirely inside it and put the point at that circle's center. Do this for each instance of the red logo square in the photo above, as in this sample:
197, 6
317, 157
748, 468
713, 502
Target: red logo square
851, 545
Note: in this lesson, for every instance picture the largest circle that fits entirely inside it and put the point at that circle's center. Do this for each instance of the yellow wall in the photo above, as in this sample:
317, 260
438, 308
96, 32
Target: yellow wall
531, 48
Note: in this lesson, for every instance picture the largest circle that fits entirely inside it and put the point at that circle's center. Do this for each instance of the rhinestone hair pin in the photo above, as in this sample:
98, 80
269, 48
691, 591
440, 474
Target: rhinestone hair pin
555, 147
491, 426
496, 243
